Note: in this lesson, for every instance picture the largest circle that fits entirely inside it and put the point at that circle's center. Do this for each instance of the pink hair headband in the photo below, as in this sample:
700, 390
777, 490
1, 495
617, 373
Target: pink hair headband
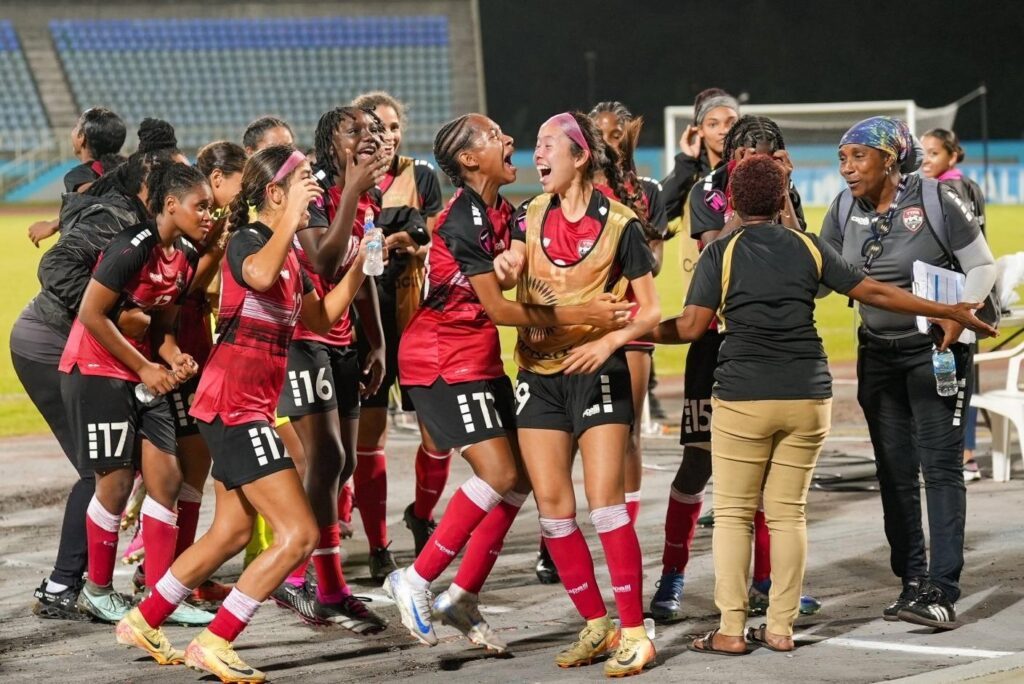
567, 122
289, 165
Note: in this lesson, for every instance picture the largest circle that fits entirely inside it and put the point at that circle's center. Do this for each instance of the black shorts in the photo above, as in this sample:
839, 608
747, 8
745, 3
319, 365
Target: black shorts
181, 403
389, 320
466, 413
106, 419
320, 378
576, 403
244, 453
698, 381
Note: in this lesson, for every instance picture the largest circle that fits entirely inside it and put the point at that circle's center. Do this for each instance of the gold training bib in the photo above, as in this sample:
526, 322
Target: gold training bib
543, 350
403, 193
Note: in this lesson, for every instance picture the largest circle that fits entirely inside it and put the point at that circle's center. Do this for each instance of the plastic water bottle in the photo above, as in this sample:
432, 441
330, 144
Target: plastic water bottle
373, 262
145, 397
944, 367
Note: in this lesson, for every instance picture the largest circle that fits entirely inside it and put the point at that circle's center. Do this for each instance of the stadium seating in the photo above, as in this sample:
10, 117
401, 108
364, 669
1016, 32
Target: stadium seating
209, 77
23, 123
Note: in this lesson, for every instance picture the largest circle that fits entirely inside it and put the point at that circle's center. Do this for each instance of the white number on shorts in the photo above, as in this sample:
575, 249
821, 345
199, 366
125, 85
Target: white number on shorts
522, 396
107, 429
489, 413
260, 436
324, 390
697, 415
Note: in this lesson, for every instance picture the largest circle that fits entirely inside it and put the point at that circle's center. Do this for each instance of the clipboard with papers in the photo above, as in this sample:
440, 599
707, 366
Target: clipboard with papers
939, 285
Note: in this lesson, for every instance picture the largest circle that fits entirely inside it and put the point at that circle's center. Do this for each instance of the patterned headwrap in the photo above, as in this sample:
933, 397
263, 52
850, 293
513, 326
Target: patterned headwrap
890, 135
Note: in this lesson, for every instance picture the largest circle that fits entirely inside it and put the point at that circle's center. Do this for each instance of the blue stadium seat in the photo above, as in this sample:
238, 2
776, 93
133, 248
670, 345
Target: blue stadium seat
207, 76
23, 122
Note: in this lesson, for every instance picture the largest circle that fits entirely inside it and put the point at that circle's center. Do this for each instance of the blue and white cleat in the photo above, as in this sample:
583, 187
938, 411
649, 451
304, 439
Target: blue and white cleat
464, 615
413, 606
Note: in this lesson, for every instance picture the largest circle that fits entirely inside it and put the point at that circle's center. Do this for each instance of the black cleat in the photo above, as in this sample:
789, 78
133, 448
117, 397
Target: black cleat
930, 608
301, 601
382, 563
421, 529
892, 611
59, 606
547, 573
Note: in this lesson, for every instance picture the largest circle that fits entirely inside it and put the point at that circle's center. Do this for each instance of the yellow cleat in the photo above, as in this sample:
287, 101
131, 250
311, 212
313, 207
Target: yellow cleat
635, 652
261, 540
597, 639
209, 653
133, 630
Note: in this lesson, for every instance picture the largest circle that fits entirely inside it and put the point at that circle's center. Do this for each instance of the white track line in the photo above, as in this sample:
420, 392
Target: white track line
904, 648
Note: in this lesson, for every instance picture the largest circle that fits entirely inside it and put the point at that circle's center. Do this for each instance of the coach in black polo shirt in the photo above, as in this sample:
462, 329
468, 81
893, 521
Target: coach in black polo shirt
772, 393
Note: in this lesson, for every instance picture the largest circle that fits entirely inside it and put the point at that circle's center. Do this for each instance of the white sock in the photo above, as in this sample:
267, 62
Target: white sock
103, 518
414, 578
55, 587
153, 509
240, 605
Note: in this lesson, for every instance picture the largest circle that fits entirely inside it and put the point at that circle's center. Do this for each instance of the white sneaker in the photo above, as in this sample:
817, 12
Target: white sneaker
413, 605
464, 615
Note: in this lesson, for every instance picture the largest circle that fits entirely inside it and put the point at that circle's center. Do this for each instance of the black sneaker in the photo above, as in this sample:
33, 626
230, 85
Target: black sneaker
58, 606
382, 563
301, 601
892, 611
547, 573
421, 529
930, 608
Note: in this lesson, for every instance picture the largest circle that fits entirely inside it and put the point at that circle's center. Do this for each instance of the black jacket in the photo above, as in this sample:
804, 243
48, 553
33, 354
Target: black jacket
675, 187
88, 223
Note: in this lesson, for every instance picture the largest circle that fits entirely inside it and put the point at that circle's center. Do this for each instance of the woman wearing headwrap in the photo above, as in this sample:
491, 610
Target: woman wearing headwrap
884, 221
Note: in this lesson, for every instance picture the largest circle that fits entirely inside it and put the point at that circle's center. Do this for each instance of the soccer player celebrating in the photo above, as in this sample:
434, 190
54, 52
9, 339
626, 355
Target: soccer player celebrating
410, 202
222, 163
321, 395
574, 385
450, 363
265, 292
112, 388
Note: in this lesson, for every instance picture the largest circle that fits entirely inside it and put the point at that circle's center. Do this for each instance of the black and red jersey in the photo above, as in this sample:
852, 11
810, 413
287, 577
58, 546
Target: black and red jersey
243, 376
451, 336
321, 212
194, 335
148, 277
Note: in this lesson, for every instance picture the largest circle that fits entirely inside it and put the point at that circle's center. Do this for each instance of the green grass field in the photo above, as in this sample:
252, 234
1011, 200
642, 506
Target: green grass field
18, 266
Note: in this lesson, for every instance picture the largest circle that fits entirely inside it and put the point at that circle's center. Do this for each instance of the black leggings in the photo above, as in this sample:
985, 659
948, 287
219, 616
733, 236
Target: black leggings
42, 382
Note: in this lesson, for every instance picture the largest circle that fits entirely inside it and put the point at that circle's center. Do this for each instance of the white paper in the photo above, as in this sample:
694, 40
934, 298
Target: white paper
939, 285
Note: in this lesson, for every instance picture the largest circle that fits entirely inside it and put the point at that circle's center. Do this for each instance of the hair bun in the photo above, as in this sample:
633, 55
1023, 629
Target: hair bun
155, 135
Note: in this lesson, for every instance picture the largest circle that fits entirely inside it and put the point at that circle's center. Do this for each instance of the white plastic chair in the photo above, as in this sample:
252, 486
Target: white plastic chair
1005, 407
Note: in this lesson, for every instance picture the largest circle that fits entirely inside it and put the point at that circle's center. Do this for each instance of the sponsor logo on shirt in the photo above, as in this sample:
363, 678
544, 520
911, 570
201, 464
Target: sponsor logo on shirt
715, 201
913, 218
156, 276
861, 220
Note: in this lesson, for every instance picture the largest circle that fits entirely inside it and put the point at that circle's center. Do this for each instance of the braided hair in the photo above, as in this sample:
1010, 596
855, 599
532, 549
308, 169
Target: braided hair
128, 179
626, 163
454, 137
323, 138
156, 135
750, 130
171, 180
259, 171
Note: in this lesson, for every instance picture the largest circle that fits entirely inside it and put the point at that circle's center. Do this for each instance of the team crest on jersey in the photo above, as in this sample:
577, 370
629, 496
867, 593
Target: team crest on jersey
913, 218
715, 201
583, 247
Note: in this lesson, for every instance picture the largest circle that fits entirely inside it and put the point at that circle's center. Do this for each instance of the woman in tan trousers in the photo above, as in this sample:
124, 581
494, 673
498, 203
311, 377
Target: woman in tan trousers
773, 391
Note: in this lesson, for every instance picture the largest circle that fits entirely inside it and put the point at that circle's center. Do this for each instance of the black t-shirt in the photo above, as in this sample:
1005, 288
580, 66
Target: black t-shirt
654, 196
80, 175
709, 203
771, 348
245, 243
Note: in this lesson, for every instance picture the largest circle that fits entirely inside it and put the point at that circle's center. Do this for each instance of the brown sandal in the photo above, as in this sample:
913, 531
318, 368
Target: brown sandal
759, 636
707, 640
